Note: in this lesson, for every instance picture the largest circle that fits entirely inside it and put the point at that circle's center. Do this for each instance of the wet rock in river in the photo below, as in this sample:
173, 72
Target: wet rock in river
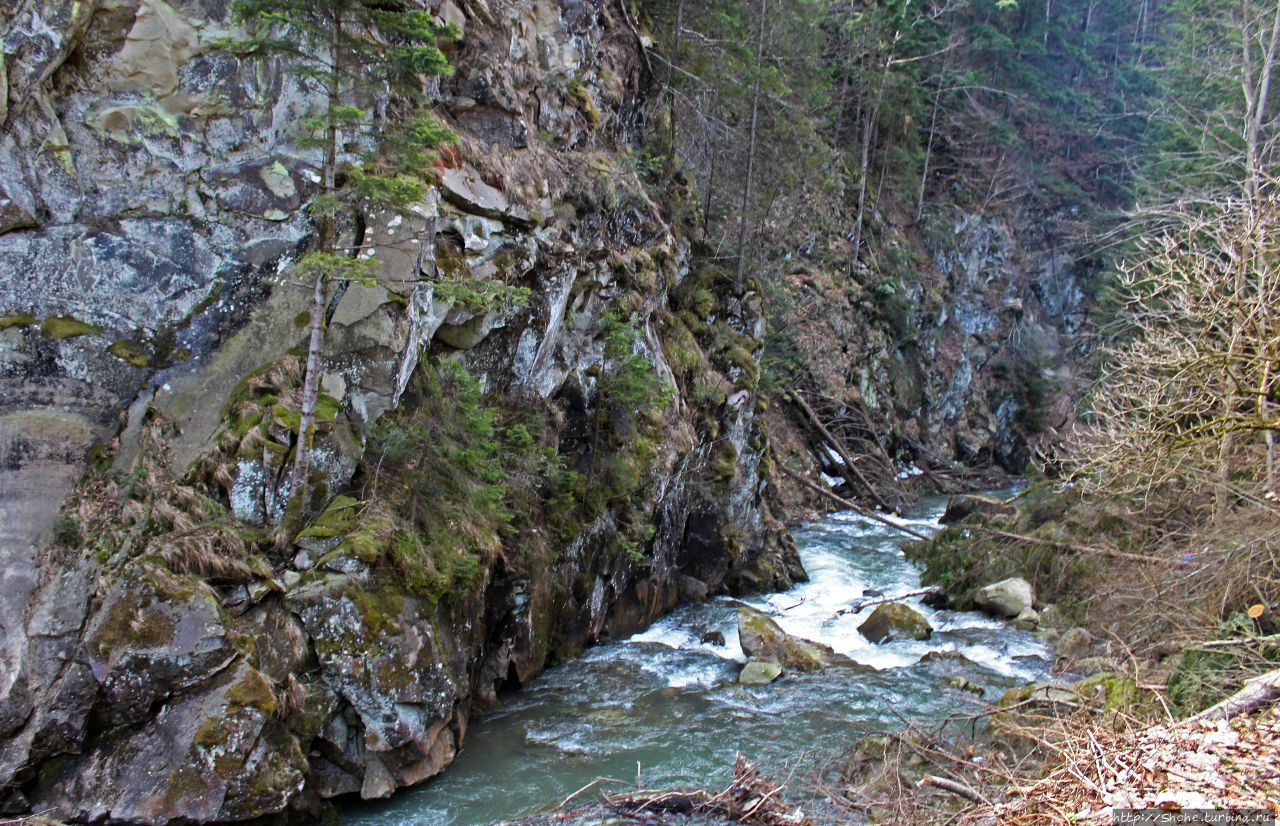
894, 621
1006, 598
961, 683
713, 638
759, 672
763, 639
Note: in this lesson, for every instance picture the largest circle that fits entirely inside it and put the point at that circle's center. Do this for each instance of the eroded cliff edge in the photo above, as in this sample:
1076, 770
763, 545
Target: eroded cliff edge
162, 660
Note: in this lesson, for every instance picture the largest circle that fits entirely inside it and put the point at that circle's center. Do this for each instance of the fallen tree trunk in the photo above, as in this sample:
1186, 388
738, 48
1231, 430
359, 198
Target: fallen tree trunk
1257, 692
838, 447
1082, 549
840, 500
955, 787
858, 604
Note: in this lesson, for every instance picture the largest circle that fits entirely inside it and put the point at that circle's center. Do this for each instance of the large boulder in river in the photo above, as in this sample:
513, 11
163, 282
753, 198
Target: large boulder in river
763, 639
964, 505
894, 621
1006, 598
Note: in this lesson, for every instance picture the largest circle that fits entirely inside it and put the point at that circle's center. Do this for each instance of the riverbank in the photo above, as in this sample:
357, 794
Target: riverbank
670, 700
1106, 727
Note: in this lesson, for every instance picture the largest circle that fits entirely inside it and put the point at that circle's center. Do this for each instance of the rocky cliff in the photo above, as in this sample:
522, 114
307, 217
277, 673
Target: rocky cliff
960, 346
164, 659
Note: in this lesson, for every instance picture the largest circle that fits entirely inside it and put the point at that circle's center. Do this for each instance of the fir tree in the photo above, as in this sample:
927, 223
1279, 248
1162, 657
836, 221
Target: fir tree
340, 48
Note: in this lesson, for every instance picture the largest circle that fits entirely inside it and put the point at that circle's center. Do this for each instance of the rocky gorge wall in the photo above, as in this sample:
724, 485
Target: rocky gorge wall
162, 659
961, 343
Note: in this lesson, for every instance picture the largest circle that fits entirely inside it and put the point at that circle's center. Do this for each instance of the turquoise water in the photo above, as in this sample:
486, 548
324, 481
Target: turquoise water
667, 705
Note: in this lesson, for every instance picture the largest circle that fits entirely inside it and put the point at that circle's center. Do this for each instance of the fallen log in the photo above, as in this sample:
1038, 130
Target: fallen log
840, 500
1257, 692
858, 604
955, 787
838, 447
1267, 640
1067, 546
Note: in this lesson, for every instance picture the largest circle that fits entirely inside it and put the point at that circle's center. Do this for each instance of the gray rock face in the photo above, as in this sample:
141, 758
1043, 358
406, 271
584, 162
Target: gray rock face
151, 205
217, 754
1006, 598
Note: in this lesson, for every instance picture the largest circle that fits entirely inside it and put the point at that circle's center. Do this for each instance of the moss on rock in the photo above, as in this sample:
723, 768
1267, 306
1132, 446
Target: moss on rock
64, 327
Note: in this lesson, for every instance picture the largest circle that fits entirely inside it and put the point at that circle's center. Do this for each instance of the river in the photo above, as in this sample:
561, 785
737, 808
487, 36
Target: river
668, 703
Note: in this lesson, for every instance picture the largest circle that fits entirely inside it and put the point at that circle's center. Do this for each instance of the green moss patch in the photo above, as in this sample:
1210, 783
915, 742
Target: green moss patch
584, 101
253, 691
131, 352
132, 622
63, 327
21, 321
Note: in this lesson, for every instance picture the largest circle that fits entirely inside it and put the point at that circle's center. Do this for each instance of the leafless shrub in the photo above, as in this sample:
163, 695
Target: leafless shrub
1186, 414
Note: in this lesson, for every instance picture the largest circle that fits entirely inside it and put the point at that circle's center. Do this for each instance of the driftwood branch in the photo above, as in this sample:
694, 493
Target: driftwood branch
838, 446
1257, 692
858, 604
955, 787
750, 799
1267, 640
840, 500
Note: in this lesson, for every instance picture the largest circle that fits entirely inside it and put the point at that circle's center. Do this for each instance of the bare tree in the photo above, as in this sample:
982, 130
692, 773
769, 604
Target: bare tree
751, 152
1191, 399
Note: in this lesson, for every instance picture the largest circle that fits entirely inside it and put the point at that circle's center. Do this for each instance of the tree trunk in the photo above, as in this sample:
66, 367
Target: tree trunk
868, 131
852, 473
671, 94
853, 506
739, 277
296, 507
1257, 692
928, 150
310, 389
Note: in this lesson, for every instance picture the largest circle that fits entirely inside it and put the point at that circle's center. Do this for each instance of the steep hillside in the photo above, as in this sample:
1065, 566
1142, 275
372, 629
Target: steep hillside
542, 417
515, 456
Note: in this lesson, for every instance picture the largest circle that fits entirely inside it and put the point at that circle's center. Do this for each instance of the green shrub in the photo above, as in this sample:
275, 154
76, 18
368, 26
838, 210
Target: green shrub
66, 530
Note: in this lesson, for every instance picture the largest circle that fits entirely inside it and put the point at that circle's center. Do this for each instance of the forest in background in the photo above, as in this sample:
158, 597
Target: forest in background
1146, 132
1147, 129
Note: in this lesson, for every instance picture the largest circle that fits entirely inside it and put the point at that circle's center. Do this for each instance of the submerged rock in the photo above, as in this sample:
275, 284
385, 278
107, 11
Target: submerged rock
946, 657
759, 672
1006, 598
961, 683
894, 621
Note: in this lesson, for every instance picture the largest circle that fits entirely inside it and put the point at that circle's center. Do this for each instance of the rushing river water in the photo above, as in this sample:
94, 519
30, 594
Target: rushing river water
669, 702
